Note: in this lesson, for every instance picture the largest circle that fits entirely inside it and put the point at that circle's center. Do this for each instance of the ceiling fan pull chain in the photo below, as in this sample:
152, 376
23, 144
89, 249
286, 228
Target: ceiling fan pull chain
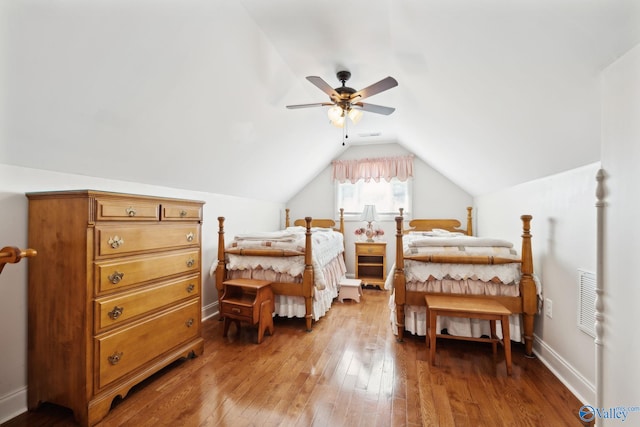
345, 135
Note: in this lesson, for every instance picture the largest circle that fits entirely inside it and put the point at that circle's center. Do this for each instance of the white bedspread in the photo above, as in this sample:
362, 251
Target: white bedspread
456, 278
455, 244
326, 245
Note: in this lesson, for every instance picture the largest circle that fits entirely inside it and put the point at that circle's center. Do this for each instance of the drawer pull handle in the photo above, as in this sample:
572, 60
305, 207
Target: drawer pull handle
131, 211
189, 323
191, 262
115, 242
191, 287
116, 312
190, 237
183, 213
116, 277
115, 358
235, 309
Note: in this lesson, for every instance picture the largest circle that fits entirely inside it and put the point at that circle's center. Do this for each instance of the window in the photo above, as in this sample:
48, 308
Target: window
388, 197
384, 182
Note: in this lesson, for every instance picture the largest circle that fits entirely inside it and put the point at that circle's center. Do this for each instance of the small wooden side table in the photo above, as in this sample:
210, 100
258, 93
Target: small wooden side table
371, 263
469, 307
248, 300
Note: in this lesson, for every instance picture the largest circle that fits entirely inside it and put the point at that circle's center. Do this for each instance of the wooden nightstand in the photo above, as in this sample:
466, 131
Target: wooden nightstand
248, 300
371, 263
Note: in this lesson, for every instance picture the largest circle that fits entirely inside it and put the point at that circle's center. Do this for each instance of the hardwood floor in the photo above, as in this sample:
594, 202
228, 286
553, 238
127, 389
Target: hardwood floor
349, 371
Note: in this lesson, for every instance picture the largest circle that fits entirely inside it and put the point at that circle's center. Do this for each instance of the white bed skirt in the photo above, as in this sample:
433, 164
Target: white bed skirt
293, 306
415, 321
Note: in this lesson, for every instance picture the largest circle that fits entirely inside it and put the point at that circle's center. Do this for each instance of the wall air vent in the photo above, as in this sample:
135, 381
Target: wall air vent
587, 302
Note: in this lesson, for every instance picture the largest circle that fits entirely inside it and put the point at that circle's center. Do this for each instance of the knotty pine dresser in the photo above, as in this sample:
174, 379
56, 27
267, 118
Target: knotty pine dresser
114, 295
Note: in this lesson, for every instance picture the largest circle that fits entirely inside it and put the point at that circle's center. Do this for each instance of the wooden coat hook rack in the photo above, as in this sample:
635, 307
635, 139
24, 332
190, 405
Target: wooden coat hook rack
12, 254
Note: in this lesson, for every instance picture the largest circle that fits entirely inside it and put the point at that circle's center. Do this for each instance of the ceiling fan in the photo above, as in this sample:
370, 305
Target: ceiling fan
346, 101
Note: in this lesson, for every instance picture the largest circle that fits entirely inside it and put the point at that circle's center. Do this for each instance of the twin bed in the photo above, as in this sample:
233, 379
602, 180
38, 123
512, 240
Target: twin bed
305, 263
437, 257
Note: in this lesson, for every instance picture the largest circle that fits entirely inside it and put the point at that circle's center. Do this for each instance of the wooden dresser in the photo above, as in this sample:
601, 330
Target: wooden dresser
114, 294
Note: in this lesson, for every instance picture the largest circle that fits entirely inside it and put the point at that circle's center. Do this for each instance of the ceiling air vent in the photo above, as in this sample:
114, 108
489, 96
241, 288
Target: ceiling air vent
587, 302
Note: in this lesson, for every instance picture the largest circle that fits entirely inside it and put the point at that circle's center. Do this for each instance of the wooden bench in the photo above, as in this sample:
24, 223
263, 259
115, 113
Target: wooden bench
248, 300
473, 308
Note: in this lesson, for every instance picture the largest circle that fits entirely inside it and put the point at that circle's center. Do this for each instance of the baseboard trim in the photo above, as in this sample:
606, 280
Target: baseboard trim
210, 310
584, 390
13, 404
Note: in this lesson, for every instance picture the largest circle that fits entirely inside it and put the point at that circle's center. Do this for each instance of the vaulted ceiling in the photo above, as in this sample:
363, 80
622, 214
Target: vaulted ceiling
192, 93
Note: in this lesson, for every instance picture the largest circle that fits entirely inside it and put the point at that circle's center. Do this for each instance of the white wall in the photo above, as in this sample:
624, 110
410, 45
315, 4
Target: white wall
241, 215
564, 239
620, 161
434, 196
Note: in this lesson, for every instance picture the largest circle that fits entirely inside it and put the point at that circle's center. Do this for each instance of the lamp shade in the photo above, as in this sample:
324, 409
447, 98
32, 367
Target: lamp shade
369, 213
355, 115
336, 116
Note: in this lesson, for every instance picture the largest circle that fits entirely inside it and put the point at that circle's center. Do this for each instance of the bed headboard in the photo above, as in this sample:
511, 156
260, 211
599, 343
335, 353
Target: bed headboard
318, 222
444, 224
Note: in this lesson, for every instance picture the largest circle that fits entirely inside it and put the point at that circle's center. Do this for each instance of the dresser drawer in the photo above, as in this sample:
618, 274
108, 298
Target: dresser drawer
370, 249
113, 311
122, 274
127, 210
131, 347
179, 212
119, 240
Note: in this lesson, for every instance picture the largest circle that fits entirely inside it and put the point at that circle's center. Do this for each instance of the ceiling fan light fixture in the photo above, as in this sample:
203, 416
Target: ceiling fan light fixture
355, 115
336, 116
339, 123
335, 113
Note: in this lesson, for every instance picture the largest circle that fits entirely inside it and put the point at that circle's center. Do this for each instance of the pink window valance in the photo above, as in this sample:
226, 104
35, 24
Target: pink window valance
373, 169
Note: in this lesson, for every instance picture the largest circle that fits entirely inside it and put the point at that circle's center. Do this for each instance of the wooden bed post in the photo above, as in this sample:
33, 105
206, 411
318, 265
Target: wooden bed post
528, 286
286, 218
307, 276
342, 221
469, 221
399, 281
222, 266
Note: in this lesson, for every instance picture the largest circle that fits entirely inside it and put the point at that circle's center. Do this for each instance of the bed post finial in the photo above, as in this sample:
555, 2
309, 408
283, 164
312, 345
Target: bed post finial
342, 221
286, 218
469, 221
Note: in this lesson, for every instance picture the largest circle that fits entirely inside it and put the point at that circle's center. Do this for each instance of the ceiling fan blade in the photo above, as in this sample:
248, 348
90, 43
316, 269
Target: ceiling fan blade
324, 86
382, 85
318, 104
373, 108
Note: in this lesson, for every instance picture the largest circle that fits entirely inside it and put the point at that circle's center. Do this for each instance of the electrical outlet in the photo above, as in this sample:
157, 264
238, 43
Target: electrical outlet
548, 308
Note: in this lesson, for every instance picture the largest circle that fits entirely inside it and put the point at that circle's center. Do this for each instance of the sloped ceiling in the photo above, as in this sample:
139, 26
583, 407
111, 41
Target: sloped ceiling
192, 93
